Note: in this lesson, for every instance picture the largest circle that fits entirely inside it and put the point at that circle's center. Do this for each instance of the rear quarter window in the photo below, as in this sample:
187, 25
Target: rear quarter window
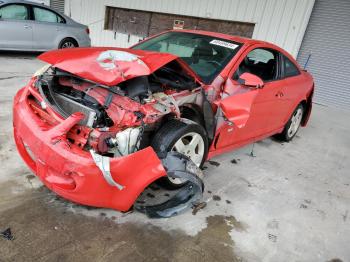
290, 68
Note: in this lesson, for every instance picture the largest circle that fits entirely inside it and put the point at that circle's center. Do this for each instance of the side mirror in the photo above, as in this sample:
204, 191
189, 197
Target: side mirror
250, 80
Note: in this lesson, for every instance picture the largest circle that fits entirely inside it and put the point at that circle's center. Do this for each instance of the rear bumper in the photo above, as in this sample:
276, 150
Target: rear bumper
84, 40
71, 172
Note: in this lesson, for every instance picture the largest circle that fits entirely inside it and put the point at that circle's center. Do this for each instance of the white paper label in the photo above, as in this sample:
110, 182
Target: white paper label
224, 44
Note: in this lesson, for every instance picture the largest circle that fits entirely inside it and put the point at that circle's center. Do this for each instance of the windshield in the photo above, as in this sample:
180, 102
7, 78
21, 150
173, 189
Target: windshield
206, 55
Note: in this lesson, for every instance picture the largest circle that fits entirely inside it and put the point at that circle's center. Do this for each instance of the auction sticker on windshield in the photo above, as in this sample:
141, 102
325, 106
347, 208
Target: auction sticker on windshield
224, 44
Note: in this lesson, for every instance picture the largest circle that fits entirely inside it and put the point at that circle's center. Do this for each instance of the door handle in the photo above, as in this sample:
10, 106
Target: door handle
279, 94
27, 26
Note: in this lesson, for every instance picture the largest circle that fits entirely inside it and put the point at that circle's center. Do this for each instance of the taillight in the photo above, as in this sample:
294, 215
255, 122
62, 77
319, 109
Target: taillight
87, 30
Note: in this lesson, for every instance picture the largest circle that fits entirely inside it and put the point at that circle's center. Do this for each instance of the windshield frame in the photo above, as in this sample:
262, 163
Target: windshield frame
225, 62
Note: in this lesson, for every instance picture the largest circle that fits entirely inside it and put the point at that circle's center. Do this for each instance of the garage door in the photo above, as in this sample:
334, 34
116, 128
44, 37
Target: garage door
327, 44
57, 5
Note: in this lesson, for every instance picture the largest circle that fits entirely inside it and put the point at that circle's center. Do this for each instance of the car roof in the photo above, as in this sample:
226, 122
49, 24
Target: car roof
21, 2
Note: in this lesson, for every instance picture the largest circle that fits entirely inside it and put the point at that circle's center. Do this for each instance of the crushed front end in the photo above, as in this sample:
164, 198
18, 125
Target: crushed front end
89, 140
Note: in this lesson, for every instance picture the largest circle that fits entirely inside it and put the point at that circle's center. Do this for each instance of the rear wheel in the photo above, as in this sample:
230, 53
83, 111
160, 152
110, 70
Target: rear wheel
188, 139
68, 43
292, 126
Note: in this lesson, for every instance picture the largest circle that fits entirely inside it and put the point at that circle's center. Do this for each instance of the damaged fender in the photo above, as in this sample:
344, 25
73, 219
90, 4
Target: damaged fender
177, 166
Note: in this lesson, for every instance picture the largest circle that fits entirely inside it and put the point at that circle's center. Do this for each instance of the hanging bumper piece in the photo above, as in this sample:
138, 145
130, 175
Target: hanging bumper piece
177, 166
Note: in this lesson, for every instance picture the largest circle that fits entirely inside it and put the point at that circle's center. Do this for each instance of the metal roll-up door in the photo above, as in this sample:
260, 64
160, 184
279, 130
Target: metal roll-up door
327, 40
57, 5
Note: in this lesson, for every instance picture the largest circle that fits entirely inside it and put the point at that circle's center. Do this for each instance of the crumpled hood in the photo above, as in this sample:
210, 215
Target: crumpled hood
106, 65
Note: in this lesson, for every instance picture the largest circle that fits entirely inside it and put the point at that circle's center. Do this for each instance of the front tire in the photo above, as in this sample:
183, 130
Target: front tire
293, 124
186, 138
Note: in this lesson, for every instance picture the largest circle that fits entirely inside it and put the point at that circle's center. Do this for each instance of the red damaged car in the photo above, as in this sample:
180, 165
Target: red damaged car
99, 125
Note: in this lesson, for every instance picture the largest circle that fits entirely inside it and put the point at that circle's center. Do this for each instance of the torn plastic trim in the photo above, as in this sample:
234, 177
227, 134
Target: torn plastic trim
177, 166
103, 163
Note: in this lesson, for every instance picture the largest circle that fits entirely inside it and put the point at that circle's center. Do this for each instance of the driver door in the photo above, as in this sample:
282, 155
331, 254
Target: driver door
258, 108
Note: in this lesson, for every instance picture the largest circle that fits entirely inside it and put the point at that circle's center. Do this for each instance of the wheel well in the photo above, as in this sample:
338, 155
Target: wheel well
69, 38
192, 112
307, 103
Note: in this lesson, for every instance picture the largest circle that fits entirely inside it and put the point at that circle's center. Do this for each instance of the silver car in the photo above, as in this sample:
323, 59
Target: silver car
30, 26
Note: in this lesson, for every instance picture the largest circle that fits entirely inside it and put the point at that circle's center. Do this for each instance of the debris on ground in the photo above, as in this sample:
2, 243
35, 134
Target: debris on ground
197, 207
235, 161
214, 163
209, 192
30, 177
272, 237
216, 198
303, 206
7, 234
228, 201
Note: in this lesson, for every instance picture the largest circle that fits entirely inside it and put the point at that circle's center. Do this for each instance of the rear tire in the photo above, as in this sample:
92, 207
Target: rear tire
293, 124
186, 138
68, 43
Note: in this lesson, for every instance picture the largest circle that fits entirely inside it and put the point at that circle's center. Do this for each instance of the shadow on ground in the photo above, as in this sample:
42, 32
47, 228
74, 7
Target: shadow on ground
19, 54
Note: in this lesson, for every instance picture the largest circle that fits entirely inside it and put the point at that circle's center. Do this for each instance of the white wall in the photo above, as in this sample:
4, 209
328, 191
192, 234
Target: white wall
45, 2
282, 22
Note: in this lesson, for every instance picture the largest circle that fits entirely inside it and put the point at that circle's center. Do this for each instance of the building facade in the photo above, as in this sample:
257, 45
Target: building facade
279, 21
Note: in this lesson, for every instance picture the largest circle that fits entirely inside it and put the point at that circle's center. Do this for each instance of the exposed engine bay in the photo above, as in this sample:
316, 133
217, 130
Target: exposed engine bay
121, 118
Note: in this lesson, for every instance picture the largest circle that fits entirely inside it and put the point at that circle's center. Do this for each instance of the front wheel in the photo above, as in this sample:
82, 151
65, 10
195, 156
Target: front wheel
188, 139
292, 126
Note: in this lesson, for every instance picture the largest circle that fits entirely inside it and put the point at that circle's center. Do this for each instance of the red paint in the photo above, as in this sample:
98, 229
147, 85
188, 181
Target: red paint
71, 172
85, 62
251, 80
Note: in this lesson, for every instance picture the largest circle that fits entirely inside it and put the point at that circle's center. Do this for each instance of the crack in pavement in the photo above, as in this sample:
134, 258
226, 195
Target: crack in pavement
11, 77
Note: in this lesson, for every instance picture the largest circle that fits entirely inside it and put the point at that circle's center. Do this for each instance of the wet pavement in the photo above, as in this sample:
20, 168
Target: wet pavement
45, 230
274, 202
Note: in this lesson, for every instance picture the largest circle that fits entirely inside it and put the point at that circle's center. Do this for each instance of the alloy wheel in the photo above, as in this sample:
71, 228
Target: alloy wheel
295, 122
192, 146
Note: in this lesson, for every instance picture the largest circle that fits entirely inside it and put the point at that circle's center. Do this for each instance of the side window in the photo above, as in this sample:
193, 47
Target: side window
15, 12
44, 15
260, 62
289, 68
